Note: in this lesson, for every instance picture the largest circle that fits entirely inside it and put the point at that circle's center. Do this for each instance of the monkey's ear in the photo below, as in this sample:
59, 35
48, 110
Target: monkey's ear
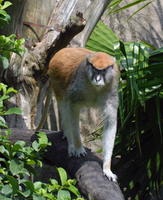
87, 59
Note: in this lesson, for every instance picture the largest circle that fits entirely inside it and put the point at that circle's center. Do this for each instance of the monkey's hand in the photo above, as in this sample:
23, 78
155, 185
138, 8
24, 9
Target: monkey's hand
110, 175
77, 152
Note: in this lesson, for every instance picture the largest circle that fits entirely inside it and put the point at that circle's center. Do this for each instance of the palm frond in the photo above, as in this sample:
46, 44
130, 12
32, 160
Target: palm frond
139, 139
115, 3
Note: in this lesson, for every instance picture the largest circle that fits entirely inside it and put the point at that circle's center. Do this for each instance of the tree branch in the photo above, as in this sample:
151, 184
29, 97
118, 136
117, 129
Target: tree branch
86, 170
75, 26
72, 28
92, 15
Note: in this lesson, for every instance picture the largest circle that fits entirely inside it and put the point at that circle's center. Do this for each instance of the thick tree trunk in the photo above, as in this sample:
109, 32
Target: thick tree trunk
27, 74
86, 170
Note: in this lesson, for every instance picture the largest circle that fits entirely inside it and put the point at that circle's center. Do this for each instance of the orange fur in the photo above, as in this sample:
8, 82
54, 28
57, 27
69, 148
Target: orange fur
64, 66
101, 60
76, 84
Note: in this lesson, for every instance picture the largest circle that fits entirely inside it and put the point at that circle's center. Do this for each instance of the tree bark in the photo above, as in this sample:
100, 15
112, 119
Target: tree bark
93, 15
28, 74
86, 170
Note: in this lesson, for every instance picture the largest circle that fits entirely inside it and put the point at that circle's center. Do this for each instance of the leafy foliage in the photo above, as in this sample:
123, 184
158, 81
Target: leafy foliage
8, 44
4, 17
15, 163
16, 160
139, 139
115, 3
99, 41
5, 95
140, 134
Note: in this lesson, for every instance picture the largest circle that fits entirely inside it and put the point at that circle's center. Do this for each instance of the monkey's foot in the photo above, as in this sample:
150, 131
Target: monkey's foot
77, 152
71, 150
110, 175
80, 151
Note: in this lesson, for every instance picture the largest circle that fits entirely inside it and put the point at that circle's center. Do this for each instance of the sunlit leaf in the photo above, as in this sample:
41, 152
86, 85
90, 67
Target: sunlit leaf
13, 110
5, 61
63, 194
16, 166
62, 175
6, 4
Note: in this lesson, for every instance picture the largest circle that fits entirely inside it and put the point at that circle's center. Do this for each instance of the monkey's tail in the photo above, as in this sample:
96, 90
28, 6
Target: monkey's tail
46, 107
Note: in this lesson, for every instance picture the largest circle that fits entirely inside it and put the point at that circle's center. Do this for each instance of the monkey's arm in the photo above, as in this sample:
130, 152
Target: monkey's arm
46, 107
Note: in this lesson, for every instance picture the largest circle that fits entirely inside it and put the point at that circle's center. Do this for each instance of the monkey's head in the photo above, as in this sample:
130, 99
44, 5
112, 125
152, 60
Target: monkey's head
101, 69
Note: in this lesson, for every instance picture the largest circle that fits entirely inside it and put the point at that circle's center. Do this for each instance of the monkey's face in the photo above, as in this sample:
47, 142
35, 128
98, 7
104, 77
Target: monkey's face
100, 77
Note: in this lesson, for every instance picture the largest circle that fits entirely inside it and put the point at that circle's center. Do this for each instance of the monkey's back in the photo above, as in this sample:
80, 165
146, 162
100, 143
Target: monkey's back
63, 68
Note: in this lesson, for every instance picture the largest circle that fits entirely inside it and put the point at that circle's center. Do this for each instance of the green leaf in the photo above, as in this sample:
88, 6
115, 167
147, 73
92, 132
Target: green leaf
16, 147
37, 185
50, 196
63, 175
4, 198
73, 189
7, 190
11, 89
13, 183
21, 143
140, 8
4, 151
43, 140
35, 146
30, 169
14, 110
150, 46
23, 193
6, 4
8, 133
29, 188
38, 197
12, 36
100, 150
63, 195
3, 125
16, 166
2, 120
102, 39
4, 98
5, 61
54, 182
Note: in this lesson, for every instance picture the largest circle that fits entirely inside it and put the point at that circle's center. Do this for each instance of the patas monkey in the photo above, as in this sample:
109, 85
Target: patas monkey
80, 77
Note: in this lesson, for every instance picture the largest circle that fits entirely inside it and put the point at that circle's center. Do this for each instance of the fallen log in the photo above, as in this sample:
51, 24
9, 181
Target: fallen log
86, 170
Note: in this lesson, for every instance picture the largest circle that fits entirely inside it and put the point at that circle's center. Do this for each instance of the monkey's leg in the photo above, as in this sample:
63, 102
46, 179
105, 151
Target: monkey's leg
64, 116
109, 132
64, 108
75, 132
